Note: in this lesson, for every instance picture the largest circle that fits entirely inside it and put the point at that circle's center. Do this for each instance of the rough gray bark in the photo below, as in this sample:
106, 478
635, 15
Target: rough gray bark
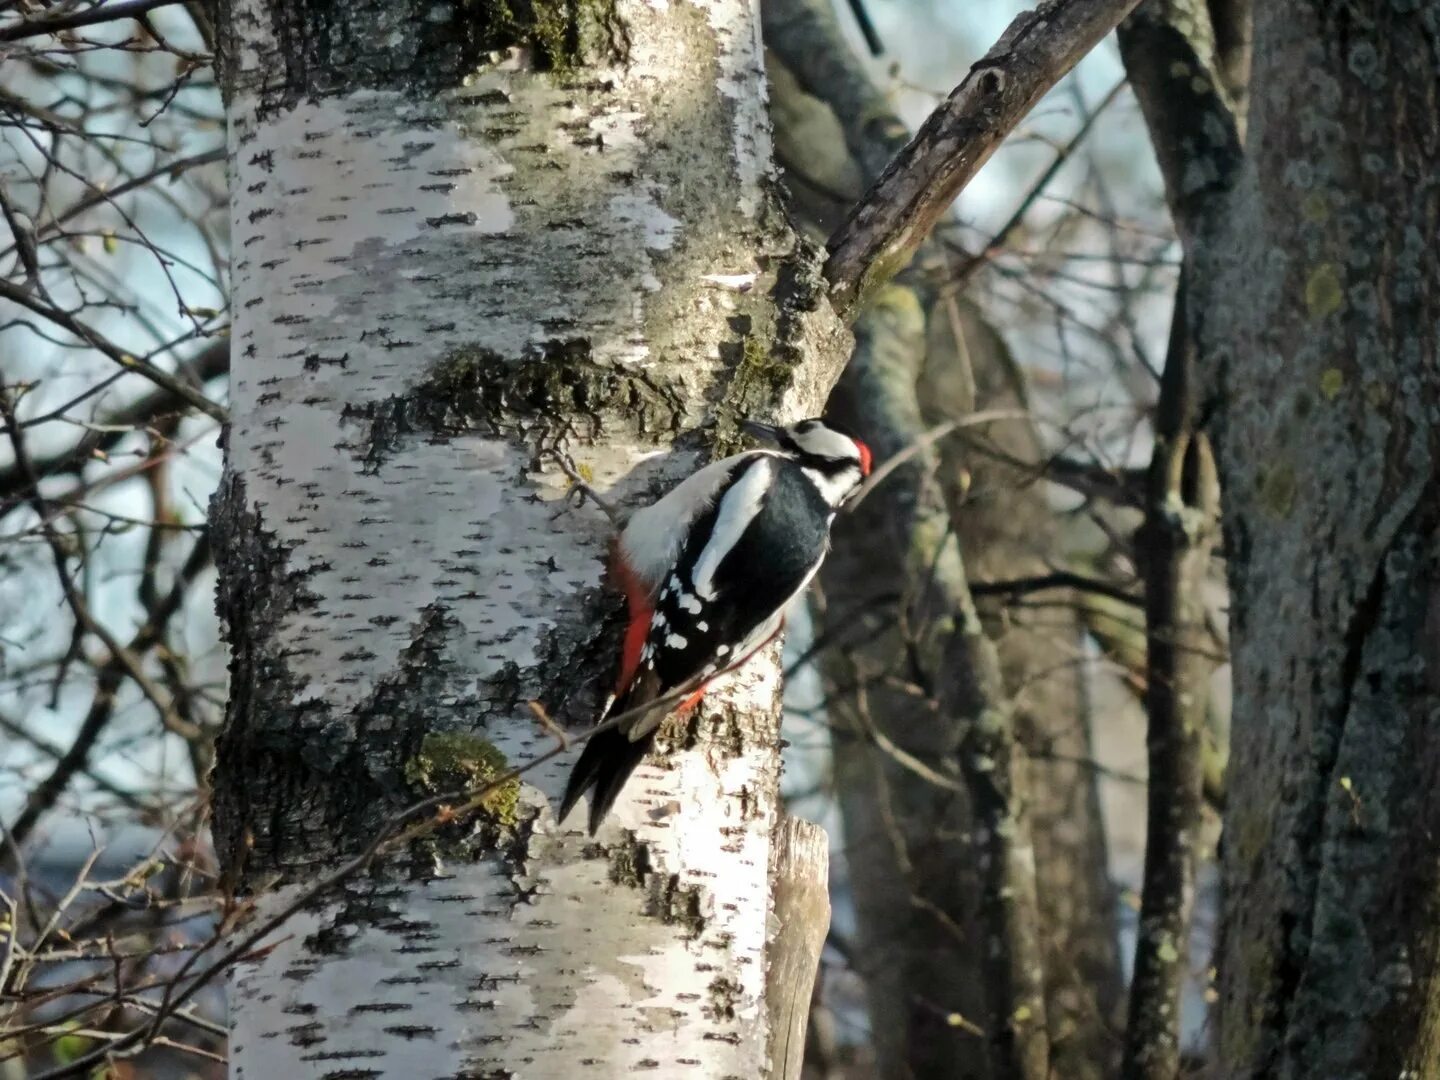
1317, 309
465, 233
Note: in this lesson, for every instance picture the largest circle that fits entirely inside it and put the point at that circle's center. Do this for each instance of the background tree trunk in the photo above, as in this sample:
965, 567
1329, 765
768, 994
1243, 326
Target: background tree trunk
465, 232
1318, 320
908, 839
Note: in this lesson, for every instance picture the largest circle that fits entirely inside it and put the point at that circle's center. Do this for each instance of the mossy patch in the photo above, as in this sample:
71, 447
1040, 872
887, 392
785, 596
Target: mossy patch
455, 760
1332, 381
760, 369
1323, 294
1277, 490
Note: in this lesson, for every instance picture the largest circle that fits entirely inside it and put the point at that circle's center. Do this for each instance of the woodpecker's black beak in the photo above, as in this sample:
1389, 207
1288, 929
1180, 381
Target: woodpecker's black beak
767, 432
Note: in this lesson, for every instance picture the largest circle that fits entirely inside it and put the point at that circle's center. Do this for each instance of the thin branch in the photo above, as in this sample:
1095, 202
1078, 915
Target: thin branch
57, 753
75, 20
210, 363
918, 186
69, 322
170, 170
967, 271
1059, 579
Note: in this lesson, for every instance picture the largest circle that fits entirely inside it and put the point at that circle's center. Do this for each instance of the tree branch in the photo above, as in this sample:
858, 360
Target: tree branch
75, 20
1168, 49
806, 36
210, 363
66, 321
1035, 52
1173, 549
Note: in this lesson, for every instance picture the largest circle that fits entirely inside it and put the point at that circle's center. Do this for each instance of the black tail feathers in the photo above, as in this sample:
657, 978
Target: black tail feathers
605, 764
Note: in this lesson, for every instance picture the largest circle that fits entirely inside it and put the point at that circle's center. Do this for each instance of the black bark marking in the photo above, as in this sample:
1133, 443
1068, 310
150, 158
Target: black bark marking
335, 46
478, 391
667, 898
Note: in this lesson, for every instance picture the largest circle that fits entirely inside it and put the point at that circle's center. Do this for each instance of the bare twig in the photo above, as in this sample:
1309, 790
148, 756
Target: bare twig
141, 367
75, 20
210, 363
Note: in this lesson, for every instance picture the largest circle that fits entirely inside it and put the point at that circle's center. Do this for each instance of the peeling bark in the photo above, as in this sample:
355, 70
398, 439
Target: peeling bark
466, 232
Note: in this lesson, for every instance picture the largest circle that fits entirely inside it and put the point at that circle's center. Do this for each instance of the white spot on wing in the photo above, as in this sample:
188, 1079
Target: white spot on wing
702, 625
690, 603
676, 641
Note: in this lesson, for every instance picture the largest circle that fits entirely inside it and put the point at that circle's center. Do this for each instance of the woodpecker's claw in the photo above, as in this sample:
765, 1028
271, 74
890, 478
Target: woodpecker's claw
580, 488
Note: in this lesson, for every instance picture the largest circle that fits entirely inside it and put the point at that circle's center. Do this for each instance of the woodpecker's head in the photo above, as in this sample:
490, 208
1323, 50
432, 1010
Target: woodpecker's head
835, 462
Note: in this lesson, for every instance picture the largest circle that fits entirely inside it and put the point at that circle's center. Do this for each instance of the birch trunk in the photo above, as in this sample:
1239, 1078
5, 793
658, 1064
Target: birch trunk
464, 231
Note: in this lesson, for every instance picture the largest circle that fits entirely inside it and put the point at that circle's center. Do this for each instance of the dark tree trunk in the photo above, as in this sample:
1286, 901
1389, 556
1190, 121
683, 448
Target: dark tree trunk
1318, 313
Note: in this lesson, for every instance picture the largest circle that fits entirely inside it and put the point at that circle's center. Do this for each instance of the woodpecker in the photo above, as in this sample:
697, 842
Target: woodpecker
707, 573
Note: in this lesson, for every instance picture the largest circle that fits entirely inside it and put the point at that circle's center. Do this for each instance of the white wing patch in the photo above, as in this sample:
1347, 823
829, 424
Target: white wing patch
653, 536
738, 507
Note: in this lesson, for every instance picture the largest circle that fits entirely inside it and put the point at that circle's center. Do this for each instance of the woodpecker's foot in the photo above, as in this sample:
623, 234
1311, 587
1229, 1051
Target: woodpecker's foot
581, 490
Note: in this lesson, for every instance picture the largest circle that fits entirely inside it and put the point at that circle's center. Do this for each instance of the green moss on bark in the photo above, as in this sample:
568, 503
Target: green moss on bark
454, 761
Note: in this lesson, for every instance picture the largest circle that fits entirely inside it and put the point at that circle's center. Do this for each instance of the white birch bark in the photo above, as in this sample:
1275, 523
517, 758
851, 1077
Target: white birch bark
432, 273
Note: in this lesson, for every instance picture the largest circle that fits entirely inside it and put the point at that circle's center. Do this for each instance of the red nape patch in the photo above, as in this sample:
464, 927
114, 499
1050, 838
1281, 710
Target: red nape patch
637, 628
865, 459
